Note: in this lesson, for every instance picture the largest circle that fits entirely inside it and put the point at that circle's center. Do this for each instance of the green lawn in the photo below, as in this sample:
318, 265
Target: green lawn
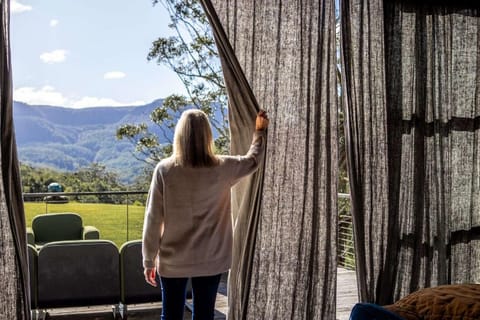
110, 219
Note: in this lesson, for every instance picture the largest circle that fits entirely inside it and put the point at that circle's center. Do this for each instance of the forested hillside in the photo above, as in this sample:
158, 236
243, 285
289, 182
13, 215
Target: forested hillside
68, 139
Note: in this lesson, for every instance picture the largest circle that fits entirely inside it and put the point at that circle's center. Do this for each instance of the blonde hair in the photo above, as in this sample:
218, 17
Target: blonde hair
193, 141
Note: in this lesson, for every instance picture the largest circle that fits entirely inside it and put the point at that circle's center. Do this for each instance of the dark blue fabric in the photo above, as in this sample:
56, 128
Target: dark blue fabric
174, 295
204, 295
370, 311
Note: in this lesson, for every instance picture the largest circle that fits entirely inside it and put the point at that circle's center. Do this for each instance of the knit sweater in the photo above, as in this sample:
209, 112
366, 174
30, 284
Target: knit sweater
187, 230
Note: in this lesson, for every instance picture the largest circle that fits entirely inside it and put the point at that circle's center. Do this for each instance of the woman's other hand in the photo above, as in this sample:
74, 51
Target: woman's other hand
261, 123
150, 276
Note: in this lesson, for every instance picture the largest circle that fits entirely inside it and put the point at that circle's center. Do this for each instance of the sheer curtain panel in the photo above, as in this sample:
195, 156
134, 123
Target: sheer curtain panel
412, 76
14, 284
281, 54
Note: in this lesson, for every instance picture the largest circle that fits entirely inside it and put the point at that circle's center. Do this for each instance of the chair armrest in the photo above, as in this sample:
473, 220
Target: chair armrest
90, 233
30, 236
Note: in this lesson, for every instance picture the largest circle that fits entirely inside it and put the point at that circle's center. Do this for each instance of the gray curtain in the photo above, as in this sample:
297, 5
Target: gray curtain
282, 54
14, 284
412, 80
363, 89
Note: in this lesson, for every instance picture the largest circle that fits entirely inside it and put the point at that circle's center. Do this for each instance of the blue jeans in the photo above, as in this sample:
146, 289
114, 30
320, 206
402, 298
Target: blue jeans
174, 295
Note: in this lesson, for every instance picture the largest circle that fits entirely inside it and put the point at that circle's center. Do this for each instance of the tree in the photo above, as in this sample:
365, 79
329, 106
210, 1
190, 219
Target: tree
93, 178
193, 56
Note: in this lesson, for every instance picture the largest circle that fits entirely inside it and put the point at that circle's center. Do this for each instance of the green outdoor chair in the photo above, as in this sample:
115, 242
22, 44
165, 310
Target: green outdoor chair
134, 289
32, 270
78, 273
59, 227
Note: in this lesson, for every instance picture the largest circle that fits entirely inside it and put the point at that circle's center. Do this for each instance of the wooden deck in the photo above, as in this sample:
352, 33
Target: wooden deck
347, 294
346, 299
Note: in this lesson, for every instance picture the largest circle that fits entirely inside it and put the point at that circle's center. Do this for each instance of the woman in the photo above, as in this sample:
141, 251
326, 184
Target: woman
187, 231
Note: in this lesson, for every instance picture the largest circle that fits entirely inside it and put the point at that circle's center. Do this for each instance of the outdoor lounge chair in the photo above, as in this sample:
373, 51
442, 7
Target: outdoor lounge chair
59, 227
134, 288
78, 273
88, 273
32, 271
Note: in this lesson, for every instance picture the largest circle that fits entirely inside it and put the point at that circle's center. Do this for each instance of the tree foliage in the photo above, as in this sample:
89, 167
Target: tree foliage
93, 178
192, 54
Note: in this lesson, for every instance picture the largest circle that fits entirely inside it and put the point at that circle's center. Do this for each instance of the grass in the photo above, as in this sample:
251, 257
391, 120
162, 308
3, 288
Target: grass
110, 219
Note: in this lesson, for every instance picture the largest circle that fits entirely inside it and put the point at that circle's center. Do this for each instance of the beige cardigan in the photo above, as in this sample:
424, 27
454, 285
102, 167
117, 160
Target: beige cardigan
188, 224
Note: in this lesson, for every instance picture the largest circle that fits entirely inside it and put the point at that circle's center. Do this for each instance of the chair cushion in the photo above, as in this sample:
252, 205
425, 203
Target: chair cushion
57, 227
78, 273
134, 287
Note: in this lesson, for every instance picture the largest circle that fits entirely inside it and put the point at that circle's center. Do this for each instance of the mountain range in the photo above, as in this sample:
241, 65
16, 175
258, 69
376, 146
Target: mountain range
67, 139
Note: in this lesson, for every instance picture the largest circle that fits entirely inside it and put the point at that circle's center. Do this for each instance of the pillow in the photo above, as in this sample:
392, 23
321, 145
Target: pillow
447, 302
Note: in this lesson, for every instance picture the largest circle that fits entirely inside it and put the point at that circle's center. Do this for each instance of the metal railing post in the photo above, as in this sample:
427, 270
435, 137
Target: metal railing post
128, 229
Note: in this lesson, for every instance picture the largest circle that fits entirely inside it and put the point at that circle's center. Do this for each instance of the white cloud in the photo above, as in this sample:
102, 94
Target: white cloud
114, 75
45, 95
102, 102
17, 7
54, 56
53, 23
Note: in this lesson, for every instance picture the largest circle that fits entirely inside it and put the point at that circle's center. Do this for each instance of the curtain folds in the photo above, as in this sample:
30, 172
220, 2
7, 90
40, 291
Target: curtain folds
419, 89
286, 214
14, 282
363, 90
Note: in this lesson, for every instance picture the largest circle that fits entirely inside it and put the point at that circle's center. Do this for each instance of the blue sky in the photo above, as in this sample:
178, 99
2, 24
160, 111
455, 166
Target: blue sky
84, 53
